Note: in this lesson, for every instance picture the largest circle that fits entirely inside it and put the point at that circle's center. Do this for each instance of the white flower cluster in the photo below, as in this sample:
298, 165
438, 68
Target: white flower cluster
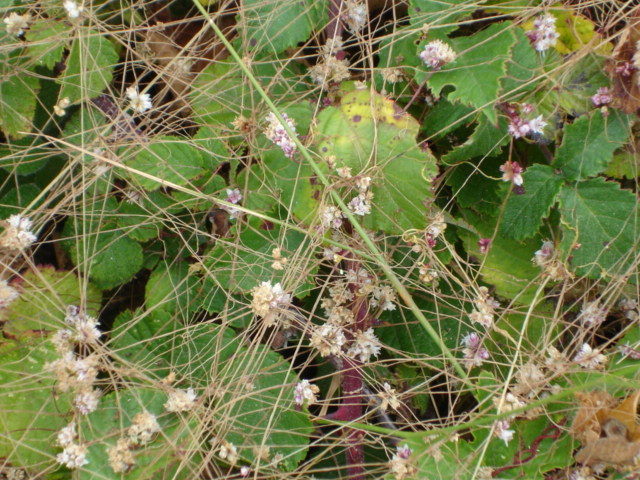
544, 34
508, 404
502, 431
365, 346
592, 314
234, 195
228, 452
330, 68
519, 127
356, 15
74, 372
17, 24
400, 465
143, 429
630, 309
268, 301
436, 54
485, 307
547, 259
474, 353
278, 260
305, 393
7, 294
388, 398
17, 234
181, 400
73, 455
512, 172
277, 134
139, 102
590, 358
73, 9
361, 203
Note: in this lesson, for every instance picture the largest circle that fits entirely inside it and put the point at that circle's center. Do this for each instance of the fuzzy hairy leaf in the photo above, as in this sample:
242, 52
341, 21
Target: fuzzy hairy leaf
258, 408
110, 422
30, 414
478, 70
280, 24
44, 49
18, 90
89, 70
371, 134
169, 159
589, 143
524, 213
240, 266
600, 227
44, 296
486, 140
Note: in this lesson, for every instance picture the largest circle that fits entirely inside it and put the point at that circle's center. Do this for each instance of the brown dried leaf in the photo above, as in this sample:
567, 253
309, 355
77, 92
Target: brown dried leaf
610, 434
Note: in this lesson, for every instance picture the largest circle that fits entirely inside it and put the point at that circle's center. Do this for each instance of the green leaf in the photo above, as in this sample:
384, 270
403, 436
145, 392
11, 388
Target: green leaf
371, 134
161, 457
440, 16
243, 264
169, 159
30, 413
589, 143
139, 224
23, 157
522, 68
474, 187
280, 24
258, 408
45, 293
486, 140
16, 199
507, 265
171, 288
18, 90
524, 213
625, 164
600, 227
156, 343
90, 65
478, 70
47, 40
108, 257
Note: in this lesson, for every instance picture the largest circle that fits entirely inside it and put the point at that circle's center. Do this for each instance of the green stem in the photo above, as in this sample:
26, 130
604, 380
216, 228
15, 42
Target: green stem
375, 252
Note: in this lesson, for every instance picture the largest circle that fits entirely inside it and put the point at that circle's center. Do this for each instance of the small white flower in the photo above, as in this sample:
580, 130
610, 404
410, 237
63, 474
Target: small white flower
474, 353
278, 260
363, 183
328, 339
305, 393
17, 235
544, 34
67, 435
121, 457
268, 300
384, 297
501, 430
365, 346
7, 294
512, 172
388, 398
73, 456
400, 464
593, 314
330, 217
228, 452
544, 255
72, 8
16, 24
361, 205
140, 102
87, 401
536, 125
181, 400
437, 53
590, 358
59, 108
356, 16
245, 471
278, 135
144, 427
234, 195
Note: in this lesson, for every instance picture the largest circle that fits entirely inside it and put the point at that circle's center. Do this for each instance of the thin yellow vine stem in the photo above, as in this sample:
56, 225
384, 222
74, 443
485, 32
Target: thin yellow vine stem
375, 252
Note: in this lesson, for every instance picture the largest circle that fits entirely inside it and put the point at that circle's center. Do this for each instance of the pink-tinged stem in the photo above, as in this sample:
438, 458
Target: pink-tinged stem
334, 27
